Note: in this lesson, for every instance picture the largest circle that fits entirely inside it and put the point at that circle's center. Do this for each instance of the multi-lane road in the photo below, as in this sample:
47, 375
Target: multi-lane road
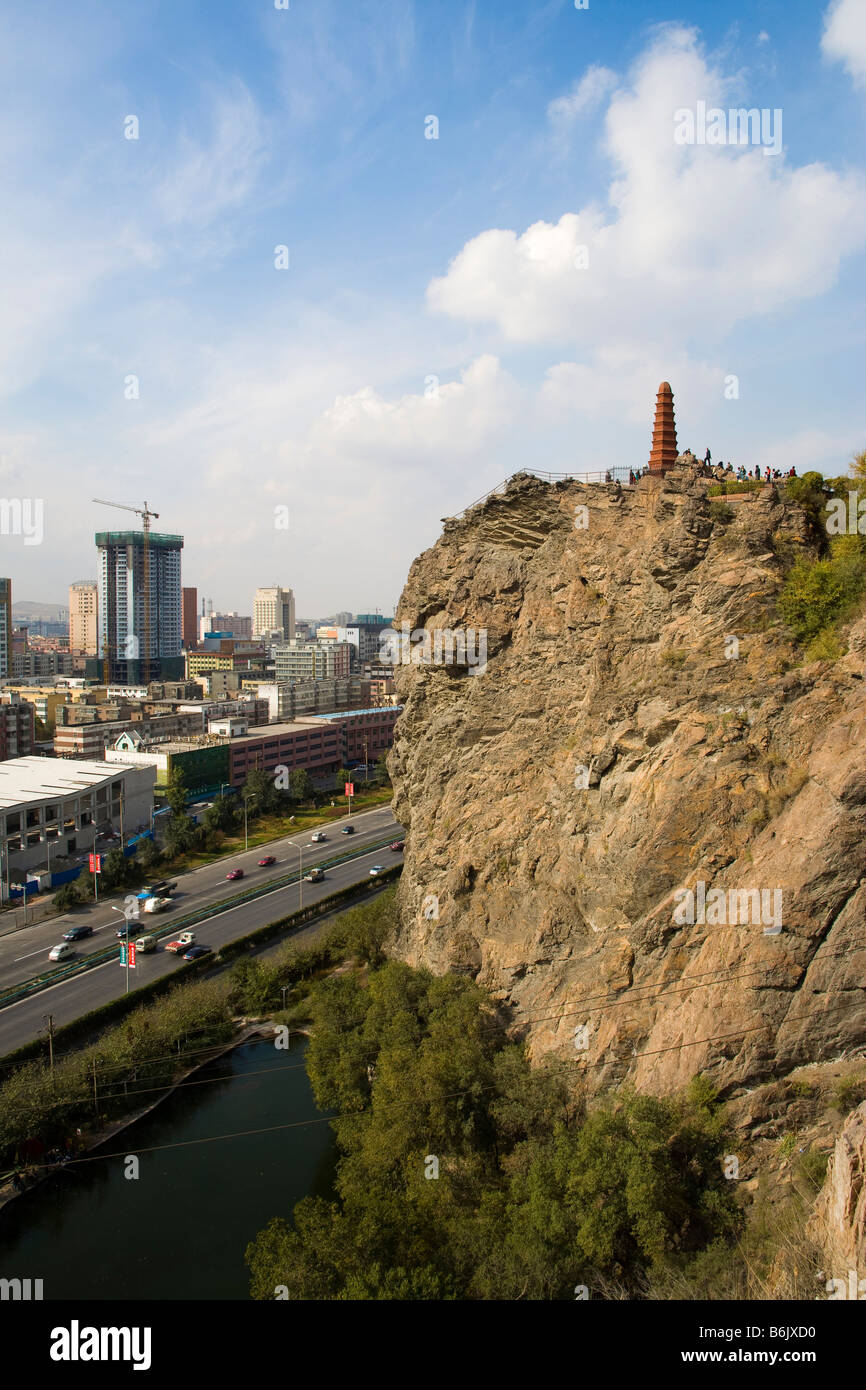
24, 953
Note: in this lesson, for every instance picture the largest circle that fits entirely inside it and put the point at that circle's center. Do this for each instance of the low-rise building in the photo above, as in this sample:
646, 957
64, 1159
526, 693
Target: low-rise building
53, 810
17, 726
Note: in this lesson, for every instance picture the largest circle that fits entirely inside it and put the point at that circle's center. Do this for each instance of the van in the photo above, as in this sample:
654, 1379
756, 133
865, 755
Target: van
60, 952
314, 876
145, 944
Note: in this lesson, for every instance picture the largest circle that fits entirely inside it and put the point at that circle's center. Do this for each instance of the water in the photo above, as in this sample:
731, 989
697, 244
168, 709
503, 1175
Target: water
180, 1230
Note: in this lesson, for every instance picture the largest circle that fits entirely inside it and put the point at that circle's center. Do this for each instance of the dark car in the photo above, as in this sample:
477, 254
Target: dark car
76, 933
398, 846
196, 952
128, 929
348, 830
235, 873
268, 859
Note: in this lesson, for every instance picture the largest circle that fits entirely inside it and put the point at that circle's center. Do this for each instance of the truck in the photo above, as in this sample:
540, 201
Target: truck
156, 904
183, 942
314, 876
153, 890
145, 944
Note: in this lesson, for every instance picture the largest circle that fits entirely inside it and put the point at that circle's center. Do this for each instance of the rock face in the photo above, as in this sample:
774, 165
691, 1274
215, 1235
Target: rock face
838, 1222
641, 727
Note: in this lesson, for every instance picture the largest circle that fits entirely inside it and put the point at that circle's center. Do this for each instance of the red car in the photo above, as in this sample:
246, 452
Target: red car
235, 873
398, 846
268, 859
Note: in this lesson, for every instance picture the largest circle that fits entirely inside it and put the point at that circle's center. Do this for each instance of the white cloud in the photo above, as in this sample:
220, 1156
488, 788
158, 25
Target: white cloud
699, 238
844, 37
585, 96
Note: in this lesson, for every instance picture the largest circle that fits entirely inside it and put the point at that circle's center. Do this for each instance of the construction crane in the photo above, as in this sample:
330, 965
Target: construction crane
145, 513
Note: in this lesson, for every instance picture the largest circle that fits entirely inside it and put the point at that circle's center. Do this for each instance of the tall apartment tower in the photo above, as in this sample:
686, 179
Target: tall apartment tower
139, 650
274, 611
83, 617
5, 629
189, 623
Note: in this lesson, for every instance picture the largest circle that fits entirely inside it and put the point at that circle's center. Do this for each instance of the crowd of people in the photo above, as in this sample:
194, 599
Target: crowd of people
722, 472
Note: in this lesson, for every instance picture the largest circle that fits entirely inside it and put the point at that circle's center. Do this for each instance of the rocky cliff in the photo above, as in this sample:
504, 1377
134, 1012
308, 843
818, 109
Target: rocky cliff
643, 727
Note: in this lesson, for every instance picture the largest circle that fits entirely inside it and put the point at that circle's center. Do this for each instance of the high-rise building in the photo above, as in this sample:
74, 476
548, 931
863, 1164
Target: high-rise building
5, 628
189, 622
274, 612
83, 617
137, 650
342, 619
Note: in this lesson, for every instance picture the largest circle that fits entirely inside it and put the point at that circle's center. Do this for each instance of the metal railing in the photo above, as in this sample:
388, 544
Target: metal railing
616, 474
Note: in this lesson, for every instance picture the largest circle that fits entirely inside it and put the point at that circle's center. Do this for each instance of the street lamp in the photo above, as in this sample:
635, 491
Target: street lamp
126, 920
300, 849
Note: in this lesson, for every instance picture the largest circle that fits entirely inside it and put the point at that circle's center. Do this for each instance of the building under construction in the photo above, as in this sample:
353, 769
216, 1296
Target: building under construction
140, 608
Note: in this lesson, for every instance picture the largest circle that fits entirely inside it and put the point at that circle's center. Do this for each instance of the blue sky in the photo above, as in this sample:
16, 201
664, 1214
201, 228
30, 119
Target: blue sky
432, 333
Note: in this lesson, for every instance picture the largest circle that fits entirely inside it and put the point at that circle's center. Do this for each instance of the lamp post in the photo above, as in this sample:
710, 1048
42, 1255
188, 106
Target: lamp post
300, 849
126, 920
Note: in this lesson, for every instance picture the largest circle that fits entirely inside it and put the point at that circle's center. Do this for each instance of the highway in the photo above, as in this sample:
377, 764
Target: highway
24, 953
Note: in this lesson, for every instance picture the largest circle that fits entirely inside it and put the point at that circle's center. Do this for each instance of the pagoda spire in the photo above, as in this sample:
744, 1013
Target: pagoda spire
664, 447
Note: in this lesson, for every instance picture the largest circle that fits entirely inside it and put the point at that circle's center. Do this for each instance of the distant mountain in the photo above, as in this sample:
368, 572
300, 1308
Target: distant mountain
48, 611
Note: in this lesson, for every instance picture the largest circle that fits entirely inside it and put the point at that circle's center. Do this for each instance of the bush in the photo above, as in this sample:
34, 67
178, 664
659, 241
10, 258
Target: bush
820, 593
67, 896
721, 512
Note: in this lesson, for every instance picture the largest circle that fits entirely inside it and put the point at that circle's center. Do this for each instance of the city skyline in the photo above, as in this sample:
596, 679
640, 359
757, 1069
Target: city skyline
351, 305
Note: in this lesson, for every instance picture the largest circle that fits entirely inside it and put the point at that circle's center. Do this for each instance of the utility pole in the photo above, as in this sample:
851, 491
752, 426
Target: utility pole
95, 1096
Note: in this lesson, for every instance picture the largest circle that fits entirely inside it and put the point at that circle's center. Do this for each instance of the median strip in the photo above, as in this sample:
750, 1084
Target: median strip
197, 915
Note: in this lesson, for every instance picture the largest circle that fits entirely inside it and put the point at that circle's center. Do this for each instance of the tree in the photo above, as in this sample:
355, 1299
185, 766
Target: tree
175, 793
148, 855
857, 466
301, 785
261, 794
222, 814
68, 895
382, 768
343, 776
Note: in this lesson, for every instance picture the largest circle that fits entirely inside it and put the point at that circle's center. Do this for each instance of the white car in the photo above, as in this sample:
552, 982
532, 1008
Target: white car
60, 952
377, 869
317, 837
157, 904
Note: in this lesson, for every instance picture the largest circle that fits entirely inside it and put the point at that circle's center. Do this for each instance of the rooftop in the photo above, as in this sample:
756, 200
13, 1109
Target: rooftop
33, 779
347, 713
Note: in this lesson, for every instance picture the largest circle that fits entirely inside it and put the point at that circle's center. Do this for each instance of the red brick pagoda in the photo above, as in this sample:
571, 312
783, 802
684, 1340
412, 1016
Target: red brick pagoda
664, 449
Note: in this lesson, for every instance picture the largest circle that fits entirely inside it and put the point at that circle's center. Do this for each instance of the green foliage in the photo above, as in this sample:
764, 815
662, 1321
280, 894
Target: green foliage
534, 1192
68, 895
222, 814
721, 512
819, 594
148, 856
811, 492
261, 793
301, 785
175, 793
145, 1048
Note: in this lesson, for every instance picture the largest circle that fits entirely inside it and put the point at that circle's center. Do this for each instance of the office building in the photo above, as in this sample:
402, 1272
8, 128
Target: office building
274, 614
5, 629
306, 661
189, 617
235, 624
321, 743
139, 646
84, 617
